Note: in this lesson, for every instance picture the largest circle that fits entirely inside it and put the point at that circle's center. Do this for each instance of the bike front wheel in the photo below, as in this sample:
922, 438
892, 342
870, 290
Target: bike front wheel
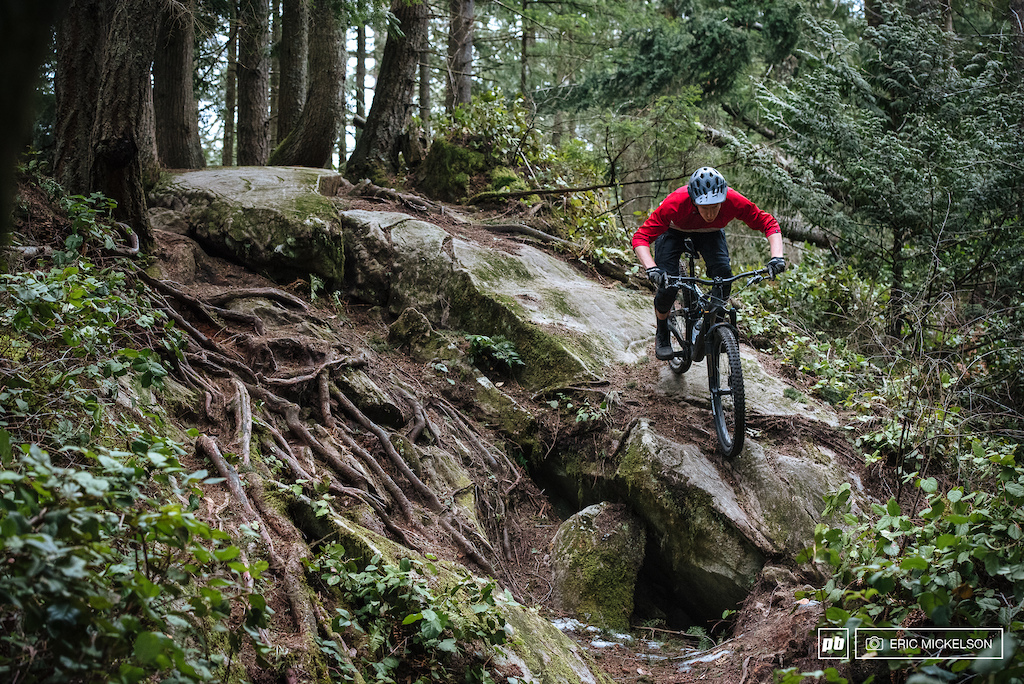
680, 363
725, 380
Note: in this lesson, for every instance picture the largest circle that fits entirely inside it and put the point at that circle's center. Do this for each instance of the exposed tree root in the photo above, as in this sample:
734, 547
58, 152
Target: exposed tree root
271, 293
285, 390
367, 189
521, 229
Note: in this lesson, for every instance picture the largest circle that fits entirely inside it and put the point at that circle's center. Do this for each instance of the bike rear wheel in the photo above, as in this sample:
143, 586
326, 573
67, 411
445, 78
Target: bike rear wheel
725, 380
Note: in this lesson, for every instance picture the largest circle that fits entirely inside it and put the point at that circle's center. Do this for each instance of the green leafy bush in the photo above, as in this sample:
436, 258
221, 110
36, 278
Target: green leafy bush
71, 331
104, 580
959, 561
494, 353
501, 129
399, 612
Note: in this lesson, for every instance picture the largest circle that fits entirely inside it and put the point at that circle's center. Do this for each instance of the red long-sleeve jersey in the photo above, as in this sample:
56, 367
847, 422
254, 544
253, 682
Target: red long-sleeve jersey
680, 213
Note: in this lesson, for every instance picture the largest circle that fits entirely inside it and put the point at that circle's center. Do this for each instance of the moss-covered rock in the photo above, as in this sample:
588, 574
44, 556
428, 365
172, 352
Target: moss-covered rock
505, 179
412, 333
712, 530
272, 220
447, 170
597, 554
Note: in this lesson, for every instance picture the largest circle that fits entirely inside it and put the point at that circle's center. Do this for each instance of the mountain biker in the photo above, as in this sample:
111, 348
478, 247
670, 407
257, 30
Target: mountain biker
698, 211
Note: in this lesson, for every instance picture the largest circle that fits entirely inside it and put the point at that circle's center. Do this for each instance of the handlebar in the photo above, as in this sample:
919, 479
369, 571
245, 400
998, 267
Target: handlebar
755, 277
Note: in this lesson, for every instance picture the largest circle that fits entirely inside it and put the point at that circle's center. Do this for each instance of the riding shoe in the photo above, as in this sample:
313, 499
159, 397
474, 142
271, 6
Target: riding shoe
663, 342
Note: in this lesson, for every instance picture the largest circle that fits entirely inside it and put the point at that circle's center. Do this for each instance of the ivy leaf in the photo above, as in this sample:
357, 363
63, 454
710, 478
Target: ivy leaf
149, 646
914, 563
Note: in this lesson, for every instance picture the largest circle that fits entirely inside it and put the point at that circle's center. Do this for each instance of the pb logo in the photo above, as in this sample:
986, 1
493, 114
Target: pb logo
833, 644
836, 643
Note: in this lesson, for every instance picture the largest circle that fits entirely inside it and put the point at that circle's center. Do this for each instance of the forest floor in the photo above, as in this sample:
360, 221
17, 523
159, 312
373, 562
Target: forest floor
772, 629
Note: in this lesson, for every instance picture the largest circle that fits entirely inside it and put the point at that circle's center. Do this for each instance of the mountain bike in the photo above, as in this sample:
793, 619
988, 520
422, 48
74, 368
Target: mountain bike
704, 327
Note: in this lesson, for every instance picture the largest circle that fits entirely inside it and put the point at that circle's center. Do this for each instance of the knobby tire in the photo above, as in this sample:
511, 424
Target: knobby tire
681, 331
680, 363
725, 380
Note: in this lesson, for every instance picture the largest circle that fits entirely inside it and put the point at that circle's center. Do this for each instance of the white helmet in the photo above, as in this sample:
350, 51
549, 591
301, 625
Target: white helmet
707, 186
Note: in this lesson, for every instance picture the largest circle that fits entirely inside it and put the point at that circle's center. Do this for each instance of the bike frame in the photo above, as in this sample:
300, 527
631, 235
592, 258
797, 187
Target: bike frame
711, 308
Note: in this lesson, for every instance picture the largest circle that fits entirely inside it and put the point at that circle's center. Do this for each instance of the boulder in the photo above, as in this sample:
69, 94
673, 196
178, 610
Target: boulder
713, 526
596, 555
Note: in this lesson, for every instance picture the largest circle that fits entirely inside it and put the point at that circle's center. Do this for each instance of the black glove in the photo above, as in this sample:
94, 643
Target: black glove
656, 274
775, 266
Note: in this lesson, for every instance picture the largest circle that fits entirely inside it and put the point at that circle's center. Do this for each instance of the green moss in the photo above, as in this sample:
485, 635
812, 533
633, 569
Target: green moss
501, 269
546, 361
604, 587
505, 179
447, 170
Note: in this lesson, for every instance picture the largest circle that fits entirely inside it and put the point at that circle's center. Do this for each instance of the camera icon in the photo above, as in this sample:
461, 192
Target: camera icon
874, 643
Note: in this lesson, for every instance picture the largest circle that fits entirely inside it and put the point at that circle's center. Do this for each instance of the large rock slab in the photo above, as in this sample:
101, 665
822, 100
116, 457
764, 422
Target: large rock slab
272, 220
766, 394
564, 325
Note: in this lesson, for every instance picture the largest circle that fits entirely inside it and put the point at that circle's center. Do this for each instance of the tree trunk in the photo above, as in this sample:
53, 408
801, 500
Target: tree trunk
292, 51
227, 153
459, 74
81, 55
524, 70
253, 82
275, 68
376, 151
1015, 16
359, 120
312, 140
361, 72
25, 27
424, 98
174, 102
149, 157
124, 91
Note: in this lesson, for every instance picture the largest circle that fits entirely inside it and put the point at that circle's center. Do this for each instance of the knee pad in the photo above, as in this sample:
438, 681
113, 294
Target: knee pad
663, 299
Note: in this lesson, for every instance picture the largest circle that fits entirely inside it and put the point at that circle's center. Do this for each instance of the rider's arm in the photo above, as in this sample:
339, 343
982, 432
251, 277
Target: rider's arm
643, 253
774, 244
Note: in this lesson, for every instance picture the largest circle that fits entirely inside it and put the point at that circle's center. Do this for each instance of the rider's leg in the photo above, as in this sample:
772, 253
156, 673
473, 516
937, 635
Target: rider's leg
715, 250
667, 249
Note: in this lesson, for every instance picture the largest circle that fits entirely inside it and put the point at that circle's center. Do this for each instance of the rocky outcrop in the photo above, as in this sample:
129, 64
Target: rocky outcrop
711, 525
714, 528
272, 220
